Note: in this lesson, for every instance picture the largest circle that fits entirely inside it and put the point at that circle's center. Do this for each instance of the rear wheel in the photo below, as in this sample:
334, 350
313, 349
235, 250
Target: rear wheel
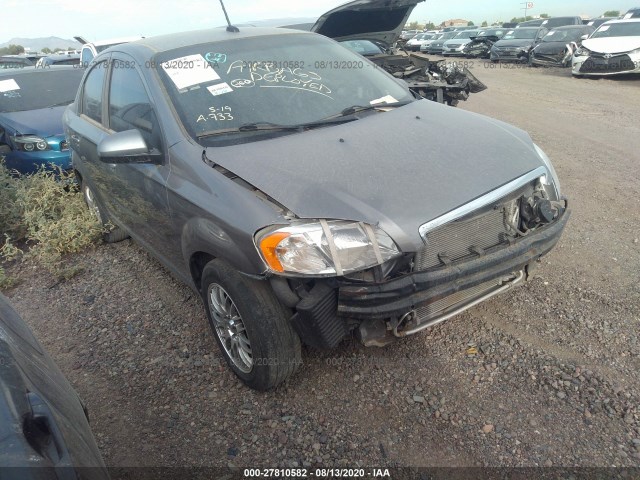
112, 233
251, 326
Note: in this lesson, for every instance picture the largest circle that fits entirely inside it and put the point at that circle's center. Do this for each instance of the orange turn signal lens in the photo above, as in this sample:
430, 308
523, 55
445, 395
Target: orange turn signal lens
268, 248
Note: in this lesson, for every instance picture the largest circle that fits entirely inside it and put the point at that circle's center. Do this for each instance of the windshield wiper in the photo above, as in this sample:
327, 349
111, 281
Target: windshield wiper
268, 126
66, 102
363, 108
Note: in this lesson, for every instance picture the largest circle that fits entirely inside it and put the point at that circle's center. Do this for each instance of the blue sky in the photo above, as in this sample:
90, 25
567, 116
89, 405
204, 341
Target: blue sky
100, 19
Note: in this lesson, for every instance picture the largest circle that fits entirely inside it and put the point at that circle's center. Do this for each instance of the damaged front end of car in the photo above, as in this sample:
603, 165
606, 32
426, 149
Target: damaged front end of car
470, 254
442, 81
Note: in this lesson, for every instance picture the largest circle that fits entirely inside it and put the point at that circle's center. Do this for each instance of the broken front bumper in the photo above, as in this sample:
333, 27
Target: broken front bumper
412, 291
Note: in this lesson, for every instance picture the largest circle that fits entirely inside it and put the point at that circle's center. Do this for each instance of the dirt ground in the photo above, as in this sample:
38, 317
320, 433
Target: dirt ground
556, 380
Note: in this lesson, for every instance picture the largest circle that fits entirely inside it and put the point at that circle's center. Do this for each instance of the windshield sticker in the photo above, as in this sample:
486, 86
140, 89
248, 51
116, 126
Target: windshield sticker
545, 22
604, 28
8, 85
268, 75
385, 99
510, 32
219, 89
188, 71
216, 58
550, 33
628, 16
216, 114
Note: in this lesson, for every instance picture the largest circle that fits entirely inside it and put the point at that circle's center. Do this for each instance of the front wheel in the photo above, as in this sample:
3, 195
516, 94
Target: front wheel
112, 234
251, 326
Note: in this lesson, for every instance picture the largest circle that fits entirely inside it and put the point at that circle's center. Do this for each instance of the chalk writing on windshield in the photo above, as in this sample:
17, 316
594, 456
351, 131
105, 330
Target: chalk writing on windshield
216, 114
269, 75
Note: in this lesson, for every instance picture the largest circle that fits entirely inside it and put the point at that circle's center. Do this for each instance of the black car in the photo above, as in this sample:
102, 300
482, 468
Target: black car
557, 46
516, 44
632, 13
43, 423
480, 46
596, 22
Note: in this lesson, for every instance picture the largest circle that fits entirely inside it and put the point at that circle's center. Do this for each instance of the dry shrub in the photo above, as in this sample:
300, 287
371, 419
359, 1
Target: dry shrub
47, 212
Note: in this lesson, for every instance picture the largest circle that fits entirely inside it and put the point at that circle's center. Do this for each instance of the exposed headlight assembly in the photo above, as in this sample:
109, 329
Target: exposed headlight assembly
30, 143
324, 248
582, 52
555, 182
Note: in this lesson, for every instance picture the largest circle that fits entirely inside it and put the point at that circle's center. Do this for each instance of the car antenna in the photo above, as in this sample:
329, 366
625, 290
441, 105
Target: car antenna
230, 28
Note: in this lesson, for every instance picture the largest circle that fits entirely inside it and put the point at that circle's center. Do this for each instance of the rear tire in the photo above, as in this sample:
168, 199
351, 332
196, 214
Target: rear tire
251, 327
114, 234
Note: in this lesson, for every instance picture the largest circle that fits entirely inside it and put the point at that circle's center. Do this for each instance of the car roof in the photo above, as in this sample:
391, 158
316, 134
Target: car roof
173, 41
627, 20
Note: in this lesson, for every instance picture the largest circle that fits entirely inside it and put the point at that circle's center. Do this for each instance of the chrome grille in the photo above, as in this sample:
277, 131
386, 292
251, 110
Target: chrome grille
467, 236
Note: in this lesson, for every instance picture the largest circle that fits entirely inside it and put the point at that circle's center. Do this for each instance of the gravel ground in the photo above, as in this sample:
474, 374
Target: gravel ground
545, 375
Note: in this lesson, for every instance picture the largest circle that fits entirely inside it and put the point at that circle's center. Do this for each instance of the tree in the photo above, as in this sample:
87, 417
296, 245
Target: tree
56, 50
470, 24
412, 26
430, 26
46, 50
611, 13
544, 15
484, 24
12, 50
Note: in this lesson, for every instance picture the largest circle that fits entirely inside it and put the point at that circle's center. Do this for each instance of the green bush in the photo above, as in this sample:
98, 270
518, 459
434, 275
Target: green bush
48, 213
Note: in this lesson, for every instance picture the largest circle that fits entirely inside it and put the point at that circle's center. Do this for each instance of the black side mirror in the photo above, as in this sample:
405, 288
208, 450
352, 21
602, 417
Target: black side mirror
127, 147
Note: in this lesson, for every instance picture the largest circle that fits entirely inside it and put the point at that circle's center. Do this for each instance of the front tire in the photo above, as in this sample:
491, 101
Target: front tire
112, 234
251, 327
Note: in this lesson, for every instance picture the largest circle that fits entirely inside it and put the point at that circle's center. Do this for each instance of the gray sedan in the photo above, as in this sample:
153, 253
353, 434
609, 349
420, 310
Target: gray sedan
272, 171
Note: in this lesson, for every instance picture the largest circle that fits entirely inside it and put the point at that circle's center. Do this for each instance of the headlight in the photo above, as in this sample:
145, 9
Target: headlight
325, 248
30, 143
582, 52
552, 171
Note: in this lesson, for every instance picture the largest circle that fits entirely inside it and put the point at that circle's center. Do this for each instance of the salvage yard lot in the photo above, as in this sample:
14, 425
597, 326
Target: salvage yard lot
546, 375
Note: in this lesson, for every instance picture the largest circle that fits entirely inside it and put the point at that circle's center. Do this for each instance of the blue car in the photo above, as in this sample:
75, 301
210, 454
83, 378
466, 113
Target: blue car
32, 101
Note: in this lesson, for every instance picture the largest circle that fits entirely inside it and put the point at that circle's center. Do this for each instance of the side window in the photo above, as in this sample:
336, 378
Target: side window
92, 92
129, 104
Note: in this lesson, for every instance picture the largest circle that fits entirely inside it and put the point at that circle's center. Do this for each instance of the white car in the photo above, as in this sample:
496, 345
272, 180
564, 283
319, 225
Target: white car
91, 49
416, 42
456, 45
614, 48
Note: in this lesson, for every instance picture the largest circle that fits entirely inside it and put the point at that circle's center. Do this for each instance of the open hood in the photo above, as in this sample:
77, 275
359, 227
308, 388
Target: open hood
376, 20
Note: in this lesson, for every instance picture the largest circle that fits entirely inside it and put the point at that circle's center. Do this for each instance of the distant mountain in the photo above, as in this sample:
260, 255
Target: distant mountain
37, 44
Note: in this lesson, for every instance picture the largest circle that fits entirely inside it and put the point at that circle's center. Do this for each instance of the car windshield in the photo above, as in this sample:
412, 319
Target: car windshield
291, 79
466, 34
38, 88
626, 29
448, 36
521, 34
490, 33
562, 35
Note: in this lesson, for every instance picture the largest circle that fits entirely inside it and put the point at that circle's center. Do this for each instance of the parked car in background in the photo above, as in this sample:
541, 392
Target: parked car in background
44, 431
256, 197
557, 46
365, 48
408, 35
424, 48
60, 59
91, 49
32, 101
480, 45
613, 49
436, 46
551, 23
596, 22
531, 23
15, 61
632, 13
516, 44
455, 45
416, 42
